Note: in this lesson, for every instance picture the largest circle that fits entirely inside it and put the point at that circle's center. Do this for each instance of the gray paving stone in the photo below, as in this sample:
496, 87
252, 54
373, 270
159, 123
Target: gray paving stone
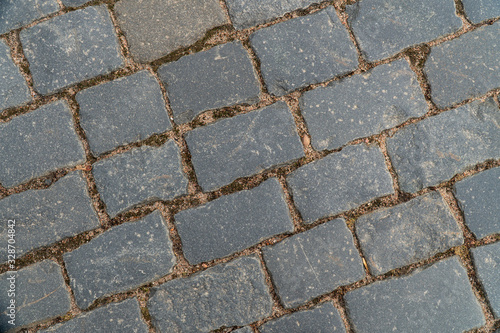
464, 67
303, 51
339, 182
121, 317
233, 223
154, 28
415, 230
13, 88
120, 259
436, 299
243, 330
73, 47
362, 105
480, 10
487, 261
313, 263
40, 294
38, 142
231, 294
139, 175
243, 145
122, 111
435, 149
479, 198
221, 76
74, 3
17, 13
385, 27
322, 319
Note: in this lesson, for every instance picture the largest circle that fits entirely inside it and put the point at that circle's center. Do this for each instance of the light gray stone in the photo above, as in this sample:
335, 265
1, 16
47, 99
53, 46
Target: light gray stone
479, 10
16, 13
13, 88
487, 262
74, 3
243, 330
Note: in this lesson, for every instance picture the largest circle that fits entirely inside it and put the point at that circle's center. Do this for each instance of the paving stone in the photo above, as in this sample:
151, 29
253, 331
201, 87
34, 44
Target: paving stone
221, 76
38, 142
243, 330
243, 145
234, 222
323, 319
487, 261
120, 259
362, 105
409, 232
385, 27
436, 299
339, 182
121, 317
122, 111
13, 88
74, 3
303, 51
17, 13
231, 294
464, 67
139, 175
40, 294
73, 47
480, 10
435, 149
154, 28
313, 263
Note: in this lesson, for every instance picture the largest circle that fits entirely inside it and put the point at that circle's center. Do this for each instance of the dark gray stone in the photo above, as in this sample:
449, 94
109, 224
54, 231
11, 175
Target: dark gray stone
221, 76
233, 223
231, 294
120, 259
303, 51
339, 182
243, 330
16, 13
40, 294
243, 145
140, 175
74, 3
479, 10
13, 88
385, 27
38, 142
487, 261
122, 111
435, 149
313, 263
464, 67
409, 232
436, 299
154, 28
362, 105
73, 47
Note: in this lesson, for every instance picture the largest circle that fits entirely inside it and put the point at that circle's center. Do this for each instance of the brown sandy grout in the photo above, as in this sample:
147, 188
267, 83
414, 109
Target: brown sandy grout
278, 309
292, 209
225, 8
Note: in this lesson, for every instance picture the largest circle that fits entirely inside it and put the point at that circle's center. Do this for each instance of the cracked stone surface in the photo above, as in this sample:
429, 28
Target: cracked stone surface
16, 13
13, 88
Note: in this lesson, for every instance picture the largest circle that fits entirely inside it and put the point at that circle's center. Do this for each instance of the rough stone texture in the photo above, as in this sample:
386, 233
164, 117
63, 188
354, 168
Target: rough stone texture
243, 330
120, 259
479, 198
221, 76
415, 230
339, 182
121, 317
154, 28
38, 142
313, 263
122, 111
384, 27
479, 10
436, 299
232, 294
40, 295
233, 223
139, 175
487, 261
303, 51
464, 67
435, 149
74, 3
13, 88
73, 47
243, 145
322, 319
16, 13
362, 105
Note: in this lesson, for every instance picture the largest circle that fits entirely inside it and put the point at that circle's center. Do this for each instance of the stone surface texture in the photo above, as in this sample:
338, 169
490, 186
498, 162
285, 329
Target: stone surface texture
479, 10
487, 261
74, 3
16, 13
13, 88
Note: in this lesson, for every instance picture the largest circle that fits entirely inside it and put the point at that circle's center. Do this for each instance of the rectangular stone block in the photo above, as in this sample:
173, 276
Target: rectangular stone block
13, 88
480, 10
16, 13
487, 262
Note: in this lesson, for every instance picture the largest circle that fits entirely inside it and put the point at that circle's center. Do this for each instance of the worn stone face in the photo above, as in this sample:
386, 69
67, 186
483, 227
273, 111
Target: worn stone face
244, 330
16, 13
13, 88
479, 10
487, 261
231, 294
74, 3
436, 299
303, 51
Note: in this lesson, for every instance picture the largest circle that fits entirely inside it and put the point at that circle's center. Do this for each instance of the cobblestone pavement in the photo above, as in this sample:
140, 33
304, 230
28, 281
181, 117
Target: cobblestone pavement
250, 166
